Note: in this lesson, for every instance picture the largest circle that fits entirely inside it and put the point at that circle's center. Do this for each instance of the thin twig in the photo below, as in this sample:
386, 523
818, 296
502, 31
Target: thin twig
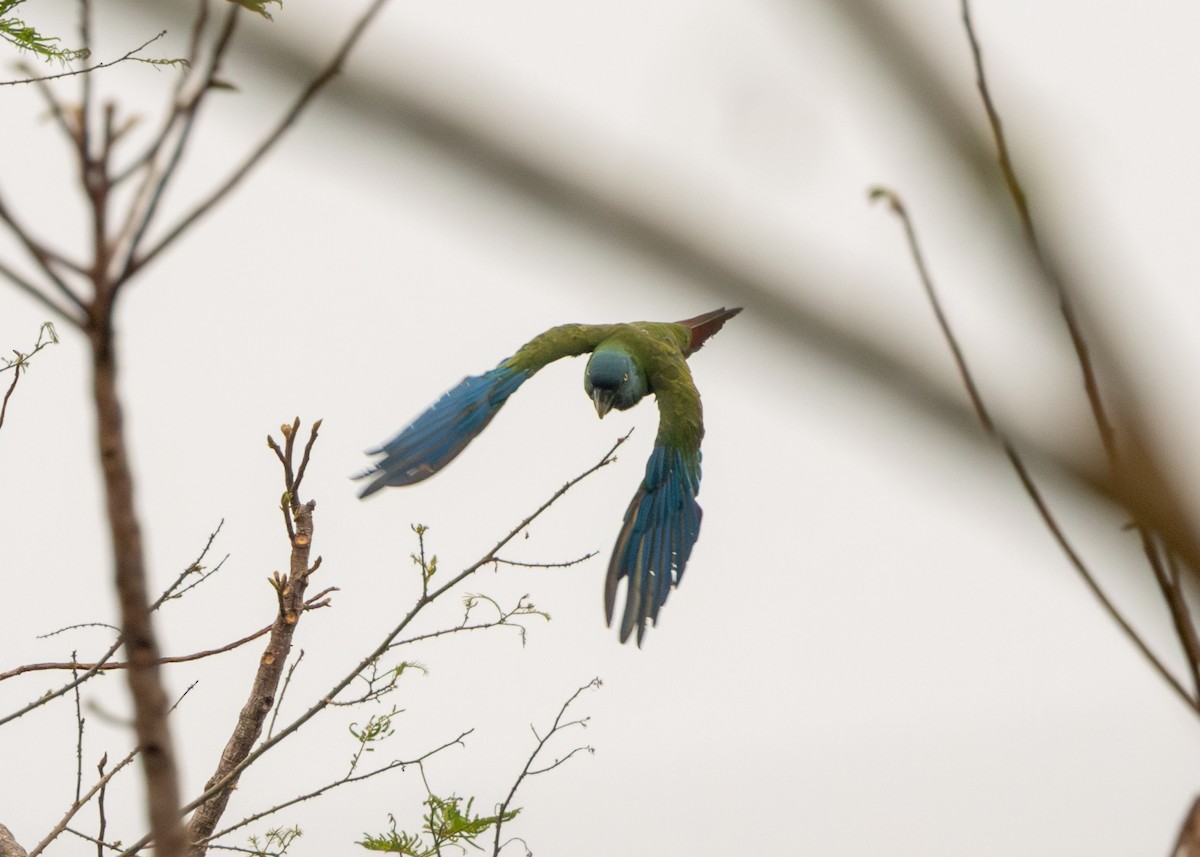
95, 668
565, 564
1090, 383
79, 721
99, 843
76, 627
287, 681
173, 591
8, 394
529, 771
80, 804
314, 603
1014, 458
85, 82
312, 438
445, 632
131, 55
391, 766
45, 698
103, 824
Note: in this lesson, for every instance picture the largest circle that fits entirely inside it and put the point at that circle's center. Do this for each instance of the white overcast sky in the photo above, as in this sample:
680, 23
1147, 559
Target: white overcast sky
877, 647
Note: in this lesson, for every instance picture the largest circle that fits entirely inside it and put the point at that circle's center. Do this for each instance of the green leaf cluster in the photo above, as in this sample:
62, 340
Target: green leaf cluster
26, 38
446, 823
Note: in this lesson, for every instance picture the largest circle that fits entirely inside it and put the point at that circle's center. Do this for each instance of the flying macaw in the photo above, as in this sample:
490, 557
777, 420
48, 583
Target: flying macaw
627, 362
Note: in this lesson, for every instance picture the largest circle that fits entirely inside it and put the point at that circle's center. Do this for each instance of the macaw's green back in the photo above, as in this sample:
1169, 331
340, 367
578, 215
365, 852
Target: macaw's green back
628, 362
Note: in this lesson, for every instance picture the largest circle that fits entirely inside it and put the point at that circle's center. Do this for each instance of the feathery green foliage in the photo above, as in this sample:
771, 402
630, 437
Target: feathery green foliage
275, 842
26, 38
446, 823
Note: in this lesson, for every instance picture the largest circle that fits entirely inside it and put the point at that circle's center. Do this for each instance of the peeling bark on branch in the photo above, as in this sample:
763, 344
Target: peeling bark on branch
290, 590
9, 847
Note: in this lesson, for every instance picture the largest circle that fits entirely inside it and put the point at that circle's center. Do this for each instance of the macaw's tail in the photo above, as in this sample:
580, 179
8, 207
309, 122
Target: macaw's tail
441, 433
661, 527
704, 326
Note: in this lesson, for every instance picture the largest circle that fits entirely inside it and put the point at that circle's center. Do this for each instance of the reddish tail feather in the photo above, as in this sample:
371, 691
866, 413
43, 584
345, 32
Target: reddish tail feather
704, 326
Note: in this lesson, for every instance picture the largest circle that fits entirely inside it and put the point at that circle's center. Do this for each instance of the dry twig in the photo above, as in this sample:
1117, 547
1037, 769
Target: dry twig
529, 770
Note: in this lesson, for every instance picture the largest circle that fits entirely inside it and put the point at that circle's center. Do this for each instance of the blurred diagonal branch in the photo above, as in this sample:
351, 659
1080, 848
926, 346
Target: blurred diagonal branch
481, 136
1188, 843
486, 141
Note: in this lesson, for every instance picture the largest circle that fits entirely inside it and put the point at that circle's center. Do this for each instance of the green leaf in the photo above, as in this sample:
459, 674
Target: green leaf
26, 38
258, 6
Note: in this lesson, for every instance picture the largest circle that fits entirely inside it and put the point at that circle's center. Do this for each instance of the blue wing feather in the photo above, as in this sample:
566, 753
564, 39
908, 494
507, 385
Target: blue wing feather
443, 431
652, 550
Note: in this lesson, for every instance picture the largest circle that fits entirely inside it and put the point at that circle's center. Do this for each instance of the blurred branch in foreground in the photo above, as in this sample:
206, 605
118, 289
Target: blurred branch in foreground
545, 159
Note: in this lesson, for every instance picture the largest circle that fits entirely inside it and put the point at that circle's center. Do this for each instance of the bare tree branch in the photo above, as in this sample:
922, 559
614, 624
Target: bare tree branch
318, 83
1090, 383
145, 684
426, 598
529, 771
41, 297
261, 699
315, 602
131, 55
346, 780
1016, 461
80, 804
42, 256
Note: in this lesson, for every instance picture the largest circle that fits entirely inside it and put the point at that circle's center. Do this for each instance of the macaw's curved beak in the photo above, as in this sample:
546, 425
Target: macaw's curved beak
603, 400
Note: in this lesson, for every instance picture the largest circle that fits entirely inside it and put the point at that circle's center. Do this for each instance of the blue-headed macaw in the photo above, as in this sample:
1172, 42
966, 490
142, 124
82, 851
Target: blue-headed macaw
628, 361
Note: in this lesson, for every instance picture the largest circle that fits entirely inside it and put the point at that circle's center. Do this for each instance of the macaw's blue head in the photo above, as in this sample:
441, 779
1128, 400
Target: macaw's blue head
613, 380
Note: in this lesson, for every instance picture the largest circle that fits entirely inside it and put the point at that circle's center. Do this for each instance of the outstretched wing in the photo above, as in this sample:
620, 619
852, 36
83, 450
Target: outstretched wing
663, 520
439, 434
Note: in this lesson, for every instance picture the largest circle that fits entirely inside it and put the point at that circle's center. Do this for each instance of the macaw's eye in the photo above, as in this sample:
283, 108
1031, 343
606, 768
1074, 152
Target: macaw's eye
625, 377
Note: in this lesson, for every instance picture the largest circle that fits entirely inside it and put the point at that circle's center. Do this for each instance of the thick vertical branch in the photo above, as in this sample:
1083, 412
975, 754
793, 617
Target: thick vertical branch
145, 685
9, 847
290, 591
